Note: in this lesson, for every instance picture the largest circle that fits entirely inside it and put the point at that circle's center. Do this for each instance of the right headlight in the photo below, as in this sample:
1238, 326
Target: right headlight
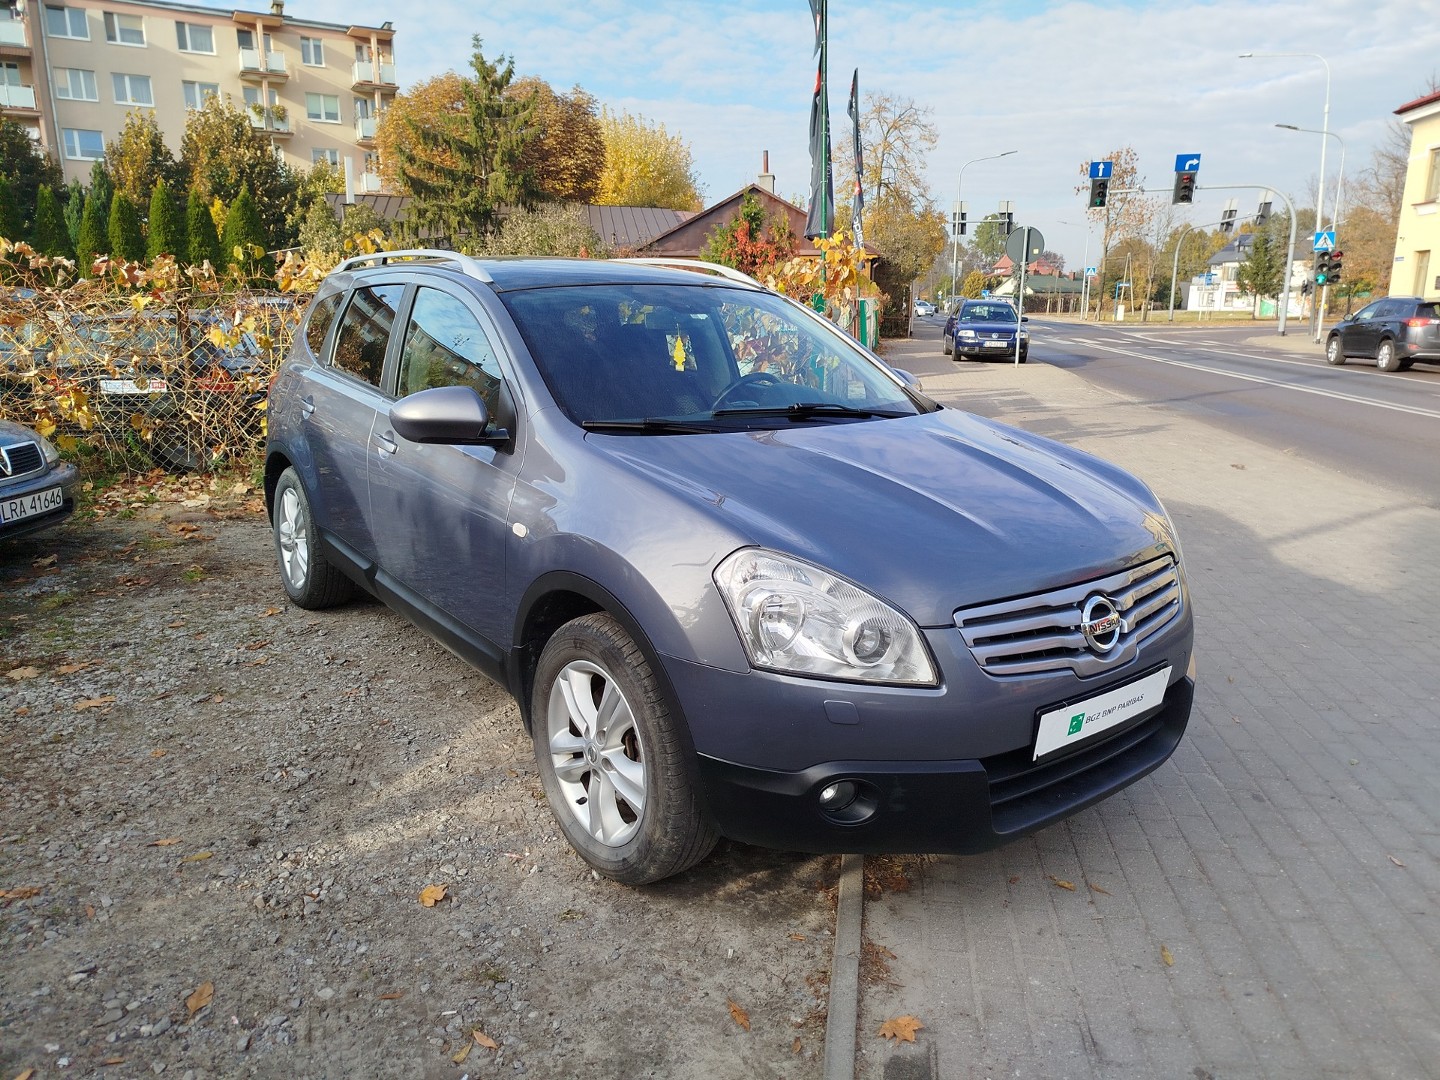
796, 618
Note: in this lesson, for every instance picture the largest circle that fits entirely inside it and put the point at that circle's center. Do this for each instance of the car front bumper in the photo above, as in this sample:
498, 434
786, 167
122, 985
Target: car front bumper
979, 351
63, 476
938, 807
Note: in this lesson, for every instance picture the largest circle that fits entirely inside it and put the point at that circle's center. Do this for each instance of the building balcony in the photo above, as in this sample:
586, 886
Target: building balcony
368, 73
270, 123
368, 183
253, 62
365, 129
12, 34
17, 98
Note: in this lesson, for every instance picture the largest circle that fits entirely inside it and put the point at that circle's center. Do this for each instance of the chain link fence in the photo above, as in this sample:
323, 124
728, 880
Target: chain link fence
140, 369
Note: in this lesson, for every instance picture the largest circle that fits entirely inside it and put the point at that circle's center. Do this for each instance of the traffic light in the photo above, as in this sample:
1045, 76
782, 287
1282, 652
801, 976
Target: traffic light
1335, 257
1184, 188
1227, 220
1099, 192
1322, 268
1262, 213
1007, 221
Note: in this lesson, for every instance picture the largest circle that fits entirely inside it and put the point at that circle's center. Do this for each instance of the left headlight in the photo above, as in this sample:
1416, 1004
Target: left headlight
795, 618
47, 449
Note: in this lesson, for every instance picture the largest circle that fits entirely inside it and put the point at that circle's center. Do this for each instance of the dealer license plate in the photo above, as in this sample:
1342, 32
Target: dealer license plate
996, 344
133, 386
41, 502
1083, 720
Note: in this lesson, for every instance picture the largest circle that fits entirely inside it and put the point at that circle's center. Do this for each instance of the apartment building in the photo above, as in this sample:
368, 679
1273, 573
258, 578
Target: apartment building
70, 72
1418, 236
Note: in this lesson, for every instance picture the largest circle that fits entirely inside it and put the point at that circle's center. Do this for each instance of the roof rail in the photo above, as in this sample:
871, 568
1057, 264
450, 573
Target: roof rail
696, 264
468, 265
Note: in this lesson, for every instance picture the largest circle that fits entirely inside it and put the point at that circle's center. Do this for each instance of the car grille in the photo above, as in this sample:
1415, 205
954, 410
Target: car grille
21, 458
1042, 633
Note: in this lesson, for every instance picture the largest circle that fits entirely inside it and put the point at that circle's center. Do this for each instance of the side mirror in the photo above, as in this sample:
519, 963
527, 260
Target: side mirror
451, 415
1024, 318
907, 378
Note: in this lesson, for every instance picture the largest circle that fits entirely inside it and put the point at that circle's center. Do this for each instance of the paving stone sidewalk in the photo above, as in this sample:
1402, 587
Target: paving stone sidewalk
1264, 905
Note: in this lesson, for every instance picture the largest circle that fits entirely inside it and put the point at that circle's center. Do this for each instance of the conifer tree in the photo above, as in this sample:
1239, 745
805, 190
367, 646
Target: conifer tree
74, 211
202, 242
242, 233
126, 239
167, 227
94, 232
51, 236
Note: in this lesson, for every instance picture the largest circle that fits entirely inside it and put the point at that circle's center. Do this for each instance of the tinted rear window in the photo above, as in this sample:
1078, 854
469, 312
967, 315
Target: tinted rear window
322, 314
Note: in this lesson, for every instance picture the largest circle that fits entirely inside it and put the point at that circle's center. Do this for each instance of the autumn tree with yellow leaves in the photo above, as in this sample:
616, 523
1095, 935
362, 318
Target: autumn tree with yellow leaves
645, 165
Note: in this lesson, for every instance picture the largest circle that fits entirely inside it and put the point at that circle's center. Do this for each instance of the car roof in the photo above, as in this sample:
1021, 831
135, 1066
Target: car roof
513, 273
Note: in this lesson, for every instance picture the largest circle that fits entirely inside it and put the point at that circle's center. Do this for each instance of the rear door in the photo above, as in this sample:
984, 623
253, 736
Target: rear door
339, 403
1363, 334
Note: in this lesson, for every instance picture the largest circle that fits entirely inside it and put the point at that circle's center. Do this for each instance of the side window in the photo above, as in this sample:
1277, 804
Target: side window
365, 331
1388, 309
322, 314
445, 346
1365, 314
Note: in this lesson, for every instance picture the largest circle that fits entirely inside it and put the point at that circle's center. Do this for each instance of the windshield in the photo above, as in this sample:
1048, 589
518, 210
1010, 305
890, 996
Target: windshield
987, 313
703, 358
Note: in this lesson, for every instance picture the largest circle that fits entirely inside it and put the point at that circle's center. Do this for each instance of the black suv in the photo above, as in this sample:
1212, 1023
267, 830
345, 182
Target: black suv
1394, 332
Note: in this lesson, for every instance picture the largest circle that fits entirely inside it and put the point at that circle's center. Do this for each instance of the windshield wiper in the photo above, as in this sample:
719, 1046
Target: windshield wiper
806, 410
650, 426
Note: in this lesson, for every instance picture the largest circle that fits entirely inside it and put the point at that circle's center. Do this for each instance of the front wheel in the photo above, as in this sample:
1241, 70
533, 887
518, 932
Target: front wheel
1334, 354
1387, 358
611, 759
309, 580
948, 346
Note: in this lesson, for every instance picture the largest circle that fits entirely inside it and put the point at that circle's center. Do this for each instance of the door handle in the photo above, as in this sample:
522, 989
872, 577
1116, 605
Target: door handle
307, 407
386, 446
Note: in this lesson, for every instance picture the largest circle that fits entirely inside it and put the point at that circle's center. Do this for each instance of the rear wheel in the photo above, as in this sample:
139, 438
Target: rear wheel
1334, 354
1386, 357
309, 580
949, 350
612, 762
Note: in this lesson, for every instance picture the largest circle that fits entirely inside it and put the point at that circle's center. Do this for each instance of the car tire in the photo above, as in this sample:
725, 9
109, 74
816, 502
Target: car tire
949, 346
1386, 357
1334, 354
598, 716
310, 581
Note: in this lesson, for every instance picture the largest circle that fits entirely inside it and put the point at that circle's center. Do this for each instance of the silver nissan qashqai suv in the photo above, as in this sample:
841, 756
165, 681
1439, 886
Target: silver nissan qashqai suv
742, 578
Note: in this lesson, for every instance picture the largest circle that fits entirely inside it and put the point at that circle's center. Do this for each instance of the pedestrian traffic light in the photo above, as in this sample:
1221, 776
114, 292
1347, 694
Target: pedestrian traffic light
1099, 192
1322, 268
1184, 188
1335, 257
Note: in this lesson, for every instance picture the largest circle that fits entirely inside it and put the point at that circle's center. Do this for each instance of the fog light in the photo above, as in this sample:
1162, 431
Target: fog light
837, 796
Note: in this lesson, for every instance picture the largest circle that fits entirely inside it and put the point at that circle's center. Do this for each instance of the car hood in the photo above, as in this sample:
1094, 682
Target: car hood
933, 512
985, 327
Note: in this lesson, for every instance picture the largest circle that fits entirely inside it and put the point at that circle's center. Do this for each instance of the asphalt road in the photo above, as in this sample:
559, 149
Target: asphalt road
1371, 426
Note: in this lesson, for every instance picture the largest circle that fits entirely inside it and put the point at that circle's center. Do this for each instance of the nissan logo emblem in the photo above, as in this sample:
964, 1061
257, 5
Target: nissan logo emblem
1101, 624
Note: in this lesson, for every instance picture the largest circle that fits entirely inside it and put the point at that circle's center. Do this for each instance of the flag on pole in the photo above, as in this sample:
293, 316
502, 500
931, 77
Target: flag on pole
857, 200
820, 220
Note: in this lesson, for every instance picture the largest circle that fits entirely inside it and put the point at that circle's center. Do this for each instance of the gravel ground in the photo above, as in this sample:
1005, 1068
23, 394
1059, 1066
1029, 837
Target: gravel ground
218, 814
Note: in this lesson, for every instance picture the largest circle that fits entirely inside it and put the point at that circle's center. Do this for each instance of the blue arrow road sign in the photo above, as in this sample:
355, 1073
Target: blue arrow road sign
1101, 170
1324, 241
1187, 163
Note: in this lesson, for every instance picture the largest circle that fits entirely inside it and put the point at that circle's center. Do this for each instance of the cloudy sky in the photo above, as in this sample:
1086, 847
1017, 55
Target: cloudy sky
1061, 81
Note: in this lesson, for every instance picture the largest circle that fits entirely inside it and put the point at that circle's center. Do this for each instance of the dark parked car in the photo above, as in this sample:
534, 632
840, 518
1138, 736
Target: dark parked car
740, 577
37, 489
1394, 332
982, 329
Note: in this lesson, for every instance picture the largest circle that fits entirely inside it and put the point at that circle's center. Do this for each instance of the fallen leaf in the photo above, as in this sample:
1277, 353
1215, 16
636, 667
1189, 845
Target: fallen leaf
48, 560
460, 1055
167, 842
433, 894
89, 911
1167, 956
1396, 861
1062, 884
739, 1015
200, 998
157, 753
269, 611
901, 1028
113, 1061
70, 669
256, 645
26, 1075
1015, 879
484, 1040
1099, 889
199, 856
95, 703
796, 1045
797, 937
217, 699
394, 995
22, 673
22, 710
25, 892
176, 625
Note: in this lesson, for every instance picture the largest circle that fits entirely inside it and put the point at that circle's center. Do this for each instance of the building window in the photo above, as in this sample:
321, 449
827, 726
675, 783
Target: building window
1432, 184
323, 107
197, 92
246, 40
328, 156
1422, 274
84, 145
124, 29
66, 22
76, 84
193, 37
312, 51
132, 90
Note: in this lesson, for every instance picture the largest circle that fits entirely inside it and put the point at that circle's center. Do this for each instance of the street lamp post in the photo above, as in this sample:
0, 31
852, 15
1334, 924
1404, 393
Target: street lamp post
955, 258
1334, 215
1324, 129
